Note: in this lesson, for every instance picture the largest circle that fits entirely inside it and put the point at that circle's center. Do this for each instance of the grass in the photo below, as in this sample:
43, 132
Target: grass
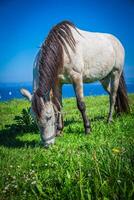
98, 166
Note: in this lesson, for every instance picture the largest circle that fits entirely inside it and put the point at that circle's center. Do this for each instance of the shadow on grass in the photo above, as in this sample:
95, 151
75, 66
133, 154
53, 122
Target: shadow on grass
76, 126
8, 139
24, 124
72, 120
97, 118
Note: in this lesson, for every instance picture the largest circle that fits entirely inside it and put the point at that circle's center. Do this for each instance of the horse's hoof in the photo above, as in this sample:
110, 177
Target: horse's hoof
88, 130
109, 121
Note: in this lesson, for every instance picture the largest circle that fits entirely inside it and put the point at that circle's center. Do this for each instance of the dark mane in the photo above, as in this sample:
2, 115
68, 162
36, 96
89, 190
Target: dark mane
50, 61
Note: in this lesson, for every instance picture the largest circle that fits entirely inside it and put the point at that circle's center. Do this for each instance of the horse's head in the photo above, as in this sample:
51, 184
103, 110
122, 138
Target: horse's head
44, 116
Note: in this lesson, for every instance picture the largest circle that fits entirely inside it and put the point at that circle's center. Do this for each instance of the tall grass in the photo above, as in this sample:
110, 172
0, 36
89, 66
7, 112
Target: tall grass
78, 166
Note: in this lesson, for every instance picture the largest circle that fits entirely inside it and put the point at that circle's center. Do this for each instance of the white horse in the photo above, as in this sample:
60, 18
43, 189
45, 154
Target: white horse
71, 55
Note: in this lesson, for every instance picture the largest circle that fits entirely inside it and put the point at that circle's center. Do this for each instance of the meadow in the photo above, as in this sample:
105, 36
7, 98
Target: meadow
98, 166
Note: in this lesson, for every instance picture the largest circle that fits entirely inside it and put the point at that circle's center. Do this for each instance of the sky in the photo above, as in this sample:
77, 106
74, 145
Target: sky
24, 25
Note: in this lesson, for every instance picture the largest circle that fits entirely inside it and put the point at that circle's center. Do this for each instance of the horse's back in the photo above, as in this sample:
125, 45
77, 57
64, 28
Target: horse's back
95, 54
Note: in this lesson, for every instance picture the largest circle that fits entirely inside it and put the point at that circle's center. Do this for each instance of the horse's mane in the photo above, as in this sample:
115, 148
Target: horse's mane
50, 61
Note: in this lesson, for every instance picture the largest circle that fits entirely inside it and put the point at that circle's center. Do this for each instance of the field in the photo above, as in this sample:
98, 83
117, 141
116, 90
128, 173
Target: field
97, 166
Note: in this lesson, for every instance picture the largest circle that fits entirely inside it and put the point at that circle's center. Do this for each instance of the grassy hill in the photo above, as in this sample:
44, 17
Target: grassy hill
97, 166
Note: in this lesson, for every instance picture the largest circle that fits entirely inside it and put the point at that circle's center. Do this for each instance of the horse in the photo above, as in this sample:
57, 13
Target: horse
72, 55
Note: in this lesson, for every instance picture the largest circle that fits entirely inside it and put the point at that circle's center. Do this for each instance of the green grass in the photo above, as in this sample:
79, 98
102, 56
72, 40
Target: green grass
97, 166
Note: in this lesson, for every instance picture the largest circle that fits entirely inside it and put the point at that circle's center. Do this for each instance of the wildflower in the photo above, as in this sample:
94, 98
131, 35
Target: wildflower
118, 181
24, 192
116, 150
33, 177
32, 171
11, 166
15, 186
6, 188
33, 183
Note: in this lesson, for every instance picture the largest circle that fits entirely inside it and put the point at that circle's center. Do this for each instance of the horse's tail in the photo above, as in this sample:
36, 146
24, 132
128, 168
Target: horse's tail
122, 104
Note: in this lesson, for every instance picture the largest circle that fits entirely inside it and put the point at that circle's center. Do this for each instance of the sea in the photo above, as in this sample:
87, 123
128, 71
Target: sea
9, 91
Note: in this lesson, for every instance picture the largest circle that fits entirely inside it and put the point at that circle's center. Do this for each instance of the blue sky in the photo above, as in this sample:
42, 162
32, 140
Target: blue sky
24, 24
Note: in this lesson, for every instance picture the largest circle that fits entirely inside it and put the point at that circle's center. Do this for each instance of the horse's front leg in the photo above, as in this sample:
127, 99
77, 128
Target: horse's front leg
60, 124
57, 100
78, 87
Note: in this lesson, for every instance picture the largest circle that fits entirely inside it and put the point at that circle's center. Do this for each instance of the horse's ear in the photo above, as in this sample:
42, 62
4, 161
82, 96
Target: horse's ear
26, 94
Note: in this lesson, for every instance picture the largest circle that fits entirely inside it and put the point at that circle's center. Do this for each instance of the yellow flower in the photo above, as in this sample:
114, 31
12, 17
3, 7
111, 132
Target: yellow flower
116, 150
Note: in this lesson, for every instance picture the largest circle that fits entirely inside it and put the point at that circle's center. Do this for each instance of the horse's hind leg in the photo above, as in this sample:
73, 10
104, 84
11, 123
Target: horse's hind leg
115, 77
78, 87
106, 83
